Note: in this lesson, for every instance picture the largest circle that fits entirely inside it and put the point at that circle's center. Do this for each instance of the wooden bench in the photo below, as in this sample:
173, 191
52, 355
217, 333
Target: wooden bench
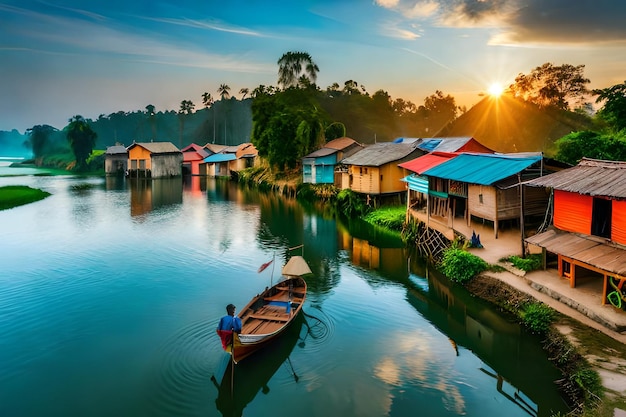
268, 317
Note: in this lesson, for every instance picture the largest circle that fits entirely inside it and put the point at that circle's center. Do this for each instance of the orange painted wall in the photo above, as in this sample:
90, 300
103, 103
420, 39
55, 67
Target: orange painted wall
618, 221
138, 153
572, 211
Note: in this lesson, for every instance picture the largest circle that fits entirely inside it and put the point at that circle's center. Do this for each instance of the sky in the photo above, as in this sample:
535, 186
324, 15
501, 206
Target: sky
70, 57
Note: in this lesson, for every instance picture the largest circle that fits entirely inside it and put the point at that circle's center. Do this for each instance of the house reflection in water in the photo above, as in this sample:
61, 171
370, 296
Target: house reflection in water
513, 358
500, 343
148, 195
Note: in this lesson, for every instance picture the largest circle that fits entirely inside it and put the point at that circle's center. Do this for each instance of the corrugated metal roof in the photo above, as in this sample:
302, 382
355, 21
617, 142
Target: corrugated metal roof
213, 148
594, 251
453, 144
483, 169
230, 149
417, 183
157, 147
380, 154
590, 177
116, 149
321, 152
426, 162
340, 143
220, 157
407, 140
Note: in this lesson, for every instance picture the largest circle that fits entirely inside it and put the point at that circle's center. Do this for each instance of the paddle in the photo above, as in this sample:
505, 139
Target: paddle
295, 377
232, 356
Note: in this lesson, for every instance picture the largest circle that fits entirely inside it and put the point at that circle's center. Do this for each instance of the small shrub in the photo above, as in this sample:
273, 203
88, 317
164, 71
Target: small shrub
530, 263
461, 266
538, 317
589, 382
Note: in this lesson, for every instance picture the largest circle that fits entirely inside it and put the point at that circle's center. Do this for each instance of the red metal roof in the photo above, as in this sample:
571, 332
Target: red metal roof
430, 160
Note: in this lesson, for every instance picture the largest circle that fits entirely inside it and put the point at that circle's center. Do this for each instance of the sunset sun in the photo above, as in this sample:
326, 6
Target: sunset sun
495, 90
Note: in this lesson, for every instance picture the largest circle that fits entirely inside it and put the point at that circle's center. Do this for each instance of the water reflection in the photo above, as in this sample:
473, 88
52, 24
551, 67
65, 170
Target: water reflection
241, 384
115, 183
147, 195
501, 343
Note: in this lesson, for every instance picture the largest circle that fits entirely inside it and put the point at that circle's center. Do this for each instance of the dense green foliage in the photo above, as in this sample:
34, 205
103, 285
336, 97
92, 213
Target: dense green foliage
286, 126
537, 316
561, 86
17, 195
82, 140
351, 204
614, 109
391, 217
460, 265
573, 147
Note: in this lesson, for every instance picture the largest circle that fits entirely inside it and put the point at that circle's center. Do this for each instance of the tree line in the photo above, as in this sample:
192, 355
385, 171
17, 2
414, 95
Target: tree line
287, 121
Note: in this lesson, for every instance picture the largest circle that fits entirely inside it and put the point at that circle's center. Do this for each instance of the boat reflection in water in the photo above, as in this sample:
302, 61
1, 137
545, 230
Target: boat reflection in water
239, 386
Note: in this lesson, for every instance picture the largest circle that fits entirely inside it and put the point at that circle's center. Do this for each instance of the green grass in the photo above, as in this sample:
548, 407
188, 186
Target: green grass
530, 263
391, 217
18, 195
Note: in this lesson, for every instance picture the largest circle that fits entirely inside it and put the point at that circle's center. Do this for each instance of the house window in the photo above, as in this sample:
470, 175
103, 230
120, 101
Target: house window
480, 198
601, 218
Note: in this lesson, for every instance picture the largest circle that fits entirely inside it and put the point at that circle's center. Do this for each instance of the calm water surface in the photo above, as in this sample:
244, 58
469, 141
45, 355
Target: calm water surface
110, 292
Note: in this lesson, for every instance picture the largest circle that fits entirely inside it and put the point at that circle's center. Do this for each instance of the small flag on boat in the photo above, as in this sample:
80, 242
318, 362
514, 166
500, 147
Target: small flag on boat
264, 266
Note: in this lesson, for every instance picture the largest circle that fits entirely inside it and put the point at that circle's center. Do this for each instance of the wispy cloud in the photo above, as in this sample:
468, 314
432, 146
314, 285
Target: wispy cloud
206, 24
434, 61
391, 29
56, 34
86, 13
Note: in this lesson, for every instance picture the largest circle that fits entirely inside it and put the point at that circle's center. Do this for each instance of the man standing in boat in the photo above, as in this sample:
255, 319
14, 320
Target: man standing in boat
227, 325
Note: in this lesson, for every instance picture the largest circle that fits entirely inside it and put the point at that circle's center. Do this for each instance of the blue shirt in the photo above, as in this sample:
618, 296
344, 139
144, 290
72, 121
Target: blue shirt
230, 323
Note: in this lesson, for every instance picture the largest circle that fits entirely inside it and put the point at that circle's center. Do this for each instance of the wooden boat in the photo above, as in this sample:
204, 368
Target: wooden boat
269, 313
253, 375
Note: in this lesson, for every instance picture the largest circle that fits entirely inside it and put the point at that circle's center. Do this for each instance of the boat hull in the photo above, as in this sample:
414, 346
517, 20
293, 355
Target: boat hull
266, 316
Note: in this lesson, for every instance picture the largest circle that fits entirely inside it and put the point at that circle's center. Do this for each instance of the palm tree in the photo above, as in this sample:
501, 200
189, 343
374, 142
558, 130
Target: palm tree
150, 111
244, 91
208, 101
292, 65
186, 107
223, 91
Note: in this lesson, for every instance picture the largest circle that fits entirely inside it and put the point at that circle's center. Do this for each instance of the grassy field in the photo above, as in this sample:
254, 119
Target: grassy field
18, 195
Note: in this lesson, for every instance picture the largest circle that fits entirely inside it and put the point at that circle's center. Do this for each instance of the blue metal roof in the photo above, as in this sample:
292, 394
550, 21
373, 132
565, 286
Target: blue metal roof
429, 145
483, 169
220, 157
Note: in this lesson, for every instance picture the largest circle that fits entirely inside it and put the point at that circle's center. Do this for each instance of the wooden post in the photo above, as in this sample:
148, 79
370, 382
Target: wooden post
521, 219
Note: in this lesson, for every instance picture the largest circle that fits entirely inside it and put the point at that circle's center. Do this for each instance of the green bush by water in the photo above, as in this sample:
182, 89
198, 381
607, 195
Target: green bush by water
460, 265
538, 317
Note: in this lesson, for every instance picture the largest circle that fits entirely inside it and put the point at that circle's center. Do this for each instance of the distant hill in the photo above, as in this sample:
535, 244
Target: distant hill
506, 124
12, 144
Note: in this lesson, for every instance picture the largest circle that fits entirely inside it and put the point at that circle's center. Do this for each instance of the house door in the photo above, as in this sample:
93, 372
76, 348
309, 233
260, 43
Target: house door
601, 218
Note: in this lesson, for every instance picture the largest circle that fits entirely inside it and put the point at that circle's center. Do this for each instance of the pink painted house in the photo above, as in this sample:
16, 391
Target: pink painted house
193, 157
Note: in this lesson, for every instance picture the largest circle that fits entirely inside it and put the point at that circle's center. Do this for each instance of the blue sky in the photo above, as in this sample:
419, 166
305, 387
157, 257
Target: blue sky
68, 57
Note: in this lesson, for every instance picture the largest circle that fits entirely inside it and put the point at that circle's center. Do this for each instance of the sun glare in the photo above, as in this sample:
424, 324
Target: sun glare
496, 90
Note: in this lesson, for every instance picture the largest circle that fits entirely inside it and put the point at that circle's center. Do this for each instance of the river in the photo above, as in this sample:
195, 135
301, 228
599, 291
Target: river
111, 289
